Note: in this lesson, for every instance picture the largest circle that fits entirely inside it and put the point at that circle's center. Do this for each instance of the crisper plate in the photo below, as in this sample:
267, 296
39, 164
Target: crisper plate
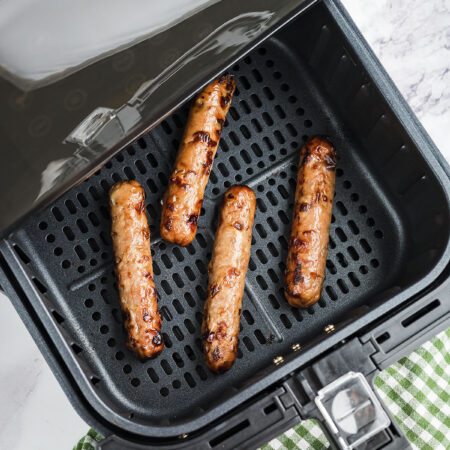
277, 105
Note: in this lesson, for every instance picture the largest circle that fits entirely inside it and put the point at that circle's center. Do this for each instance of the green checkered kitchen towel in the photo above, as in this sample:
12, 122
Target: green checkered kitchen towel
416, 390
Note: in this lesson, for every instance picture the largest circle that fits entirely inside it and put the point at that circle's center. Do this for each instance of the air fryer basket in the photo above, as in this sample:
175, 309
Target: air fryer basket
389, 235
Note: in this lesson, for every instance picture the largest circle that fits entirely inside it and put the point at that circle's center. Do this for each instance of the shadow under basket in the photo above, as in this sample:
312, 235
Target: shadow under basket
389, 240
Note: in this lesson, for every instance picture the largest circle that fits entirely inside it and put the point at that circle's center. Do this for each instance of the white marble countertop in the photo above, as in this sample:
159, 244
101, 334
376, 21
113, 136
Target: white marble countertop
411, 38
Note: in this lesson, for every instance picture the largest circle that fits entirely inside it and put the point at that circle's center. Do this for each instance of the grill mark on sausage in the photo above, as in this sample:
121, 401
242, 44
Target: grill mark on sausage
208, 163
178, 181
157, 339
217, 354
224, 100
305, 207
214, 290
330, 160
299, 244
139, 207
193, 219
298, 277
203, 136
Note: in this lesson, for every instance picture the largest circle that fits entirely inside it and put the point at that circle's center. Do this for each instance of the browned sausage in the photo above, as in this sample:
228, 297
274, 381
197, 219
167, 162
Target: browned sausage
308, 245
227, 271
131, 241
183, 199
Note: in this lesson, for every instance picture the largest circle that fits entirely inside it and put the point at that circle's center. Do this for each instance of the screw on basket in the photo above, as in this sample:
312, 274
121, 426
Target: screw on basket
296, 347
278, 360
329, 328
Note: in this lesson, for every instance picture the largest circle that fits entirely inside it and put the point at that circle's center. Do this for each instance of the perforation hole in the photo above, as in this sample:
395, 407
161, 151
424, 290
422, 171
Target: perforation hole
244, 106
153, 375
164, 392
365, 245
166, 367
255, 100
378, 234
189, 380
189, 352
374, 263
331, 293
353, 279
69, 233
342, 261
267, 119
347, 184
364, 269
286, 322
189, 326
341, 208
280, 112
176, 304
341, 235
50, 238
342, 286
167, 341
353, 253
353, 227
331, 267
248, 344
89, 303
248, 317
70, 206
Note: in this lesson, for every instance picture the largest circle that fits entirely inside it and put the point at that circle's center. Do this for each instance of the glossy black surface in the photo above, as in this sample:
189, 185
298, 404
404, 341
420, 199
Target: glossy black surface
102, 66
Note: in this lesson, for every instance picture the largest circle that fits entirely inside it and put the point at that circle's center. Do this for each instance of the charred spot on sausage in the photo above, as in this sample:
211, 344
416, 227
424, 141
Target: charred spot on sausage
157, 339
224, 100
203, 136
299, 244
214, 290
305, 207
209, 160
238, 226
168, 224
146, 233
330, 160
193, 219
140, 207
216, 354
170, 206
298, 277
146, 317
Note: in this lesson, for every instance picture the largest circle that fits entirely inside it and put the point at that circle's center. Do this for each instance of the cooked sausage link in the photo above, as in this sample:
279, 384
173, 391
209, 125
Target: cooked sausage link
131, 241
183, 199
308, 245
227, 271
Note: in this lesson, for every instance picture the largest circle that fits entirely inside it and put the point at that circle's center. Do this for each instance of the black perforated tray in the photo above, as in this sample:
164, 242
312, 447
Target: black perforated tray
67, 249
